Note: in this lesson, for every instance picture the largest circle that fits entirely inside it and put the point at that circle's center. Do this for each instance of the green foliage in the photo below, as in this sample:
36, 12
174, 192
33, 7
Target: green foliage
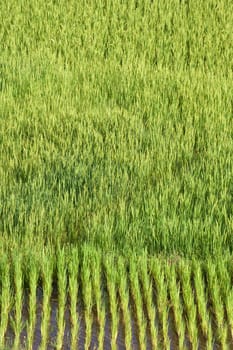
47, 269
137, 301
6, 297
116, 124
111, 284
116, 150
184, 272
175, 298
161, 286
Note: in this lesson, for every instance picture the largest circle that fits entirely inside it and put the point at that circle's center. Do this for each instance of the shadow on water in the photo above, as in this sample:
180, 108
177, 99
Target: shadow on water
53, 329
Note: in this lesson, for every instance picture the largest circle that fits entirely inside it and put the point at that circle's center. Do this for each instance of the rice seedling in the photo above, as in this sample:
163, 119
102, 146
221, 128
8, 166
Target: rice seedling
201, 300
148, 300
138, 303
6, 298
226, 291
87, 294
184, 271
217, 305
47, 269
62, 288
158, 274
123, 290
73, 272
176, 304
97, 287
224, 270
111, 284
33, 284
18, 299
229, 306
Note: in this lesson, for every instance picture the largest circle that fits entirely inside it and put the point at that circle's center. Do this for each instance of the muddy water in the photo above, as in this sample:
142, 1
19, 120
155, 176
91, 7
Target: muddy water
95, 329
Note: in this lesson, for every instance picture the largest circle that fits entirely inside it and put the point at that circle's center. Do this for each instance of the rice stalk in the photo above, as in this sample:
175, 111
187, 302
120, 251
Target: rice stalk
73, 272
111, 281
184, 270
62, 288
138, 304
201, 300
148, 297
6, 298
97, 287
18, 300
47, 269
87, 295
175, 296
158, 274
217, 305
33, 283
123, 290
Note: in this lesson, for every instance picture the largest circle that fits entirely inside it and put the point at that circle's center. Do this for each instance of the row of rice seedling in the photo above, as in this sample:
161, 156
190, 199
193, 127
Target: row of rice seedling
137, 302
194, 298
202, 305
62, 295
111, 284
175, 302
190, 308
74, 281
98, 298
123, 290
226, 290
87, 295
158, 275
217, 307
47, 270
32, 304
148, 300
6, 298
18, 299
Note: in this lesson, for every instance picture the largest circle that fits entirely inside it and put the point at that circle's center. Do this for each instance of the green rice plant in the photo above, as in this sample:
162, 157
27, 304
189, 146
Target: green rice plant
47, 270
224, 271
158, 274
6, 297
111, 282
226, 290
148, 300
33, 284
176, 304
217, 304
138, 303
123, 290
201, 300
184, 271
62, 288
73, 273
97, 286
229, 307
87, 294
18, 299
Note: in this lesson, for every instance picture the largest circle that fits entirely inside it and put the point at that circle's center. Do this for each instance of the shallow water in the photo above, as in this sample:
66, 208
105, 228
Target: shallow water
95, 329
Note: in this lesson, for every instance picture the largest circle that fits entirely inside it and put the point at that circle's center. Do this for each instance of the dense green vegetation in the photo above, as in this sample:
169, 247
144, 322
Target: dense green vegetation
116, 167
116, 124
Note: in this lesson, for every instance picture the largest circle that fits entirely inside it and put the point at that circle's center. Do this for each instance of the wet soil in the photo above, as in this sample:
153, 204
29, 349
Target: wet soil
95, 329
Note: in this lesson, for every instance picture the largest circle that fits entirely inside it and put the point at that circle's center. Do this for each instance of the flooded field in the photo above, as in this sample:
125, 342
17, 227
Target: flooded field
84, 300
107, 333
